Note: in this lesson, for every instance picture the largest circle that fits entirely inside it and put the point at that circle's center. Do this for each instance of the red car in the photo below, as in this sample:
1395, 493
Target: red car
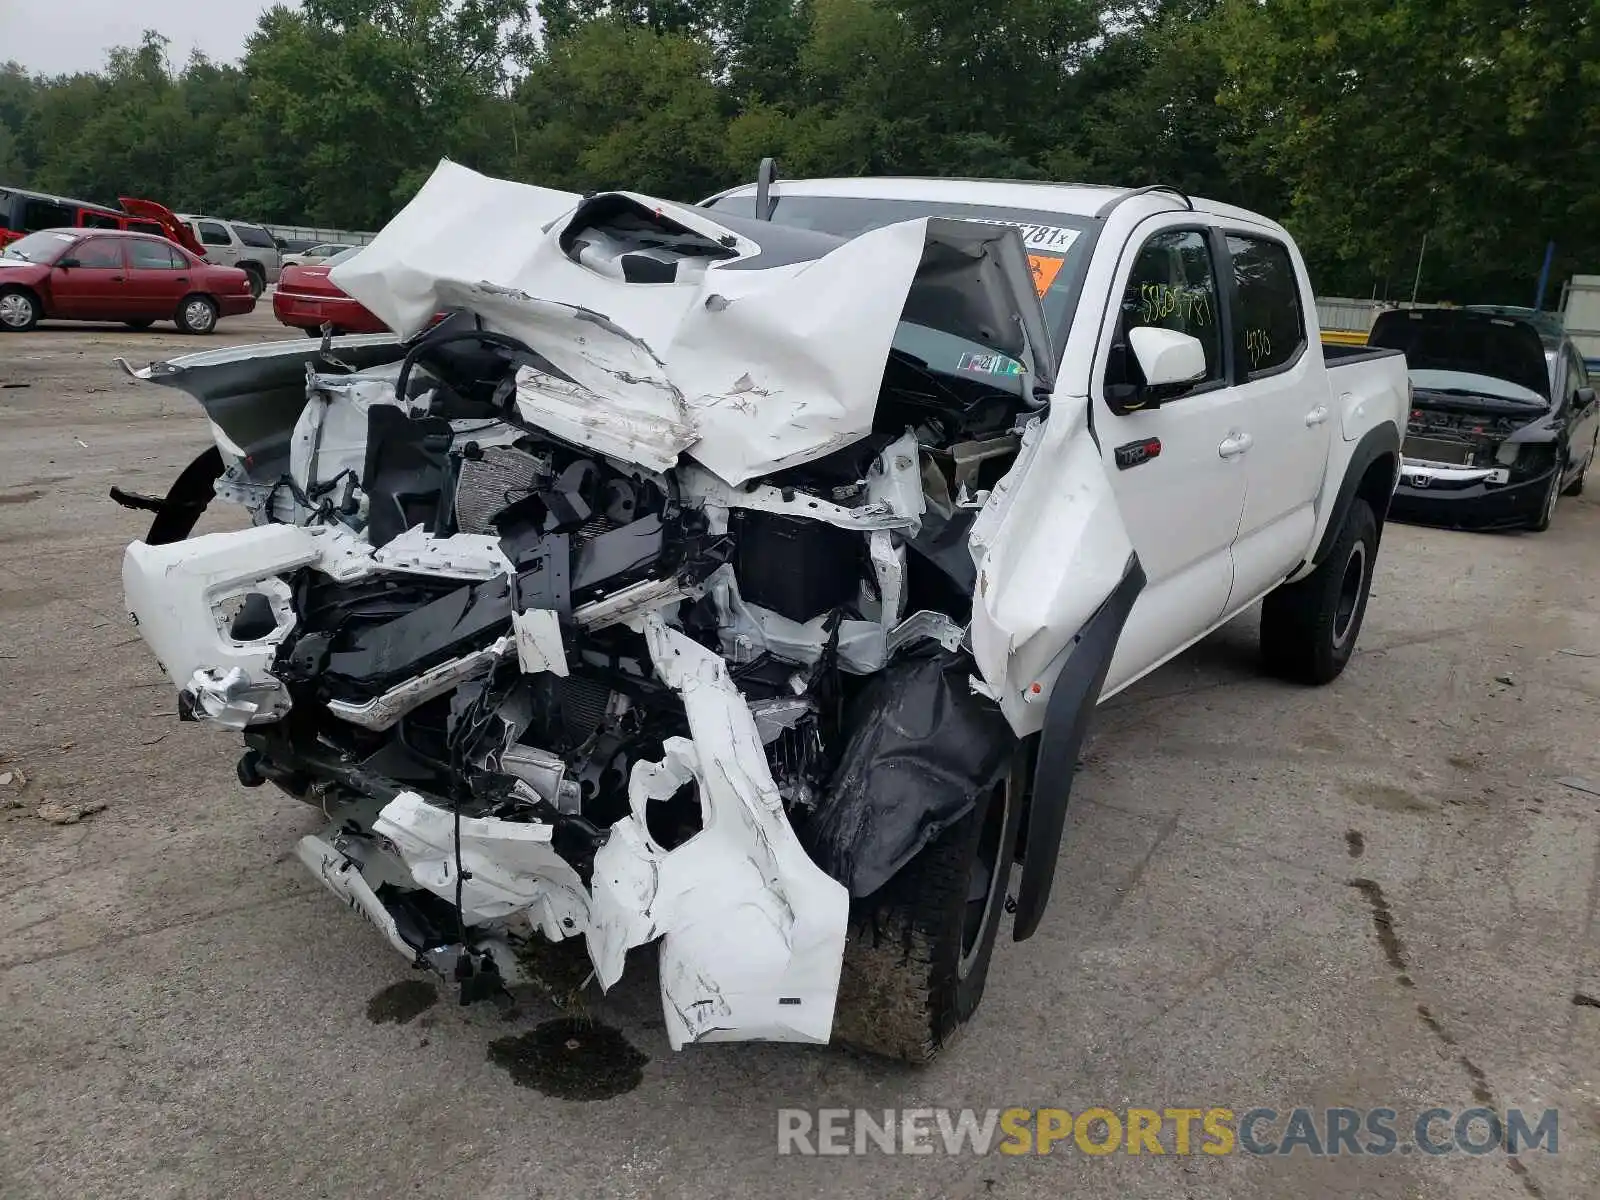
24, 212
112, 275
307, 299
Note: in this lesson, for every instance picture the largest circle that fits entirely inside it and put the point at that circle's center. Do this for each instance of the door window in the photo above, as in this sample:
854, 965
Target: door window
1274, 328
251, 236
147, 255
1173, 286
45, 214
99, 253
97, 220
213, 234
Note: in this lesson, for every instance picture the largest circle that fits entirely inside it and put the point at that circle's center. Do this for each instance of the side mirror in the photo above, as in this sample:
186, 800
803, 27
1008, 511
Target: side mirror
65, 263
1154, 365
1166, 356
1582, 398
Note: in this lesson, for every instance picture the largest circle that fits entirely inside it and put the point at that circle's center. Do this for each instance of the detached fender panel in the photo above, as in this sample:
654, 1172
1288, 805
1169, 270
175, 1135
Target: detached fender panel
1072, 701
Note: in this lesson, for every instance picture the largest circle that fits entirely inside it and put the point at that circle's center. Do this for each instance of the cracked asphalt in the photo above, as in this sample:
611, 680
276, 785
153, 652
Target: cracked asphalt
1373, 894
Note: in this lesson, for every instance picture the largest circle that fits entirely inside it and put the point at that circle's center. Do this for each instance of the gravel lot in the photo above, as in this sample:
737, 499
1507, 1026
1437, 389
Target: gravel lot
184, 1012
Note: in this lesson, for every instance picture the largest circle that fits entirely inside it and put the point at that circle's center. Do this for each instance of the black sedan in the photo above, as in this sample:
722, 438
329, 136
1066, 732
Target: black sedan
1503, 418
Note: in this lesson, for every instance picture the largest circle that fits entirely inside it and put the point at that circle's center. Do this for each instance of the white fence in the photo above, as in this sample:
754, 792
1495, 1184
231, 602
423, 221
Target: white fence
308, 233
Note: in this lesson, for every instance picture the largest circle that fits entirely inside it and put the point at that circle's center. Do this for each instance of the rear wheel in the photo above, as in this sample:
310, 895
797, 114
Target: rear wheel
19, 310
197, 314
258, 280
1309, 628
917, 954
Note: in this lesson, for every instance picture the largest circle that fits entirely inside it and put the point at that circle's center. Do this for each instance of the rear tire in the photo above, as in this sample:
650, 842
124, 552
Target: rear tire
258, 280
1309, 628
916, 957
197, 314
19, 310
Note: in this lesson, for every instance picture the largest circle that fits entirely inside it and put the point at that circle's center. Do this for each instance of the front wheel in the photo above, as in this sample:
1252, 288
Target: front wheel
197, 314
1547, 507
917, 954
1309, 628
19, 311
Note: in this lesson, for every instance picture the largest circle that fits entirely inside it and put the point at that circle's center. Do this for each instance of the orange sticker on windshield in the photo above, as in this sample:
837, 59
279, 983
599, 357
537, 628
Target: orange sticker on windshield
1045, 268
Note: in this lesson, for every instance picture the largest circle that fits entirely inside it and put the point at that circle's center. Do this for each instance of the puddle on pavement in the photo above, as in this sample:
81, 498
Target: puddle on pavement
403, 1002
571, 1058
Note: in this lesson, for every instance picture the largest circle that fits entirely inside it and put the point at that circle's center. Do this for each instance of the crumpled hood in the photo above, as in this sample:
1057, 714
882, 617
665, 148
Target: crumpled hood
751, 346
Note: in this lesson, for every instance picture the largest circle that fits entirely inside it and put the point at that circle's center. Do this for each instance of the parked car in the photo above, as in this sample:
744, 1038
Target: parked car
238, 244
307, 299
1503, 422
315, 255
748, 578
112, 275
23, 212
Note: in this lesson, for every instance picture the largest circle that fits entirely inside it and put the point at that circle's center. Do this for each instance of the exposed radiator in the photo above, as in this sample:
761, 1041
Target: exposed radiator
500, 476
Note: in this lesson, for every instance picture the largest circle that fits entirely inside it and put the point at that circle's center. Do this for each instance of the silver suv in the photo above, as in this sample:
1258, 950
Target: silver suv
238, 244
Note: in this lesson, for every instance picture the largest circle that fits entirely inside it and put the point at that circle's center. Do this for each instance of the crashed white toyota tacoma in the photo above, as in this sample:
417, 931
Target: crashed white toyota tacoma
742, 577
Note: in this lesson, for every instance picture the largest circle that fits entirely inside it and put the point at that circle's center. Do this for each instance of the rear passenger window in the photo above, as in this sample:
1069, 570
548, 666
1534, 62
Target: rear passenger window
1174, 287
154, 256
1274, 328
212, 234
251, 236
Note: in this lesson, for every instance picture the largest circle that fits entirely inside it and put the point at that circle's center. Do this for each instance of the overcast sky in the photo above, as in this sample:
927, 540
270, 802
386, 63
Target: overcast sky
52, 36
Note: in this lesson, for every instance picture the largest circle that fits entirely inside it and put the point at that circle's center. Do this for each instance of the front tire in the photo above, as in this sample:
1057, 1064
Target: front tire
1309, 628
19, 310
1547, 509
916, 957
197, 314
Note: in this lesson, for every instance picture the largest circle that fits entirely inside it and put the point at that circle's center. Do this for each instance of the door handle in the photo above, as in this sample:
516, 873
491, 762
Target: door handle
1317, 415
183, 279
116, 279
1235, 444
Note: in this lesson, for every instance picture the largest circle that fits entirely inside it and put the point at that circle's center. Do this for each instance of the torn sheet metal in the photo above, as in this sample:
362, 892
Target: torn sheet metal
383, 711
509, 866
770, 341
539, 646
753, 930
1050, 545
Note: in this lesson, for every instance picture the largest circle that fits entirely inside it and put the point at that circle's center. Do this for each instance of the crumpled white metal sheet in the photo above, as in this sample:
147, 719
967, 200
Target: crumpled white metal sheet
750, 370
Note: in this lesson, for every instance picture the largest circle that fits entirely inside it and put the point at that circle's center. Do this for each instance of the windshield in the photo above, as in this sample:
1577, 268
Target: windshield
39, 247
1053, 241
1467, 383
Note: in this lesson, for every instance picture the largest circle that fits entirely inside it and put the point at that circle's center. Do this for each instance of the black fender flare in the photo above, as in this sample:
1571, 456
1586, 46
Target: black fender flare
180, 509
1066, 721
1376, 442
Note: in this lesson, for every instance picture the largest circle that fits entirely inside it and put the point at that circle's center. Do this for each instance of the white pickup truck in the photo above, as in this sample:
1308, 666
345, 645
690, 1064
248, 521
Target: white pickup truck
745, 575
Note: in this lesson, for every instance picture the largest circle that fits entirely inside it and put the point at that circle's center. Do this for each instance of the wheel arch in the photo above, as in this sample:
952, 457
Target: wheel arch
1371, 475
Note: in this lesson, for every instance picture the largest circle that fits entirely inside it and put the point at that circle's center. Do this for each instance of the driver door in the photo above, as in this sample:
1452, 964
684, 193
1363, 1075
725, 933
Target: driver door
94, 288
1177, 469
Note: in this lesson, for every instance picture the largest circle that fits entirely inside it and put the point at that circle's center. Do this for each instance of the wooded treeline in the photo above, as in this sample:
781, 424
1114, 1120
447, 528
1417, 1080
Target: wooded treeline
1363, 124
